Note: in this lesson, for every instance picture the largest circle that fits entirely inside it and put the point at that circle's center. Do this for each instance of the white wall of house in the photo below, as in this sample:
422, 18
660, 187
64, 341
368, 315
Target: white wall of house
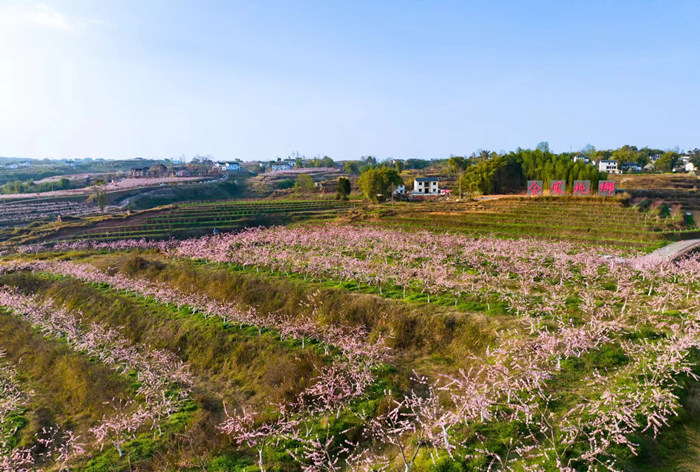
607, 166
428, 187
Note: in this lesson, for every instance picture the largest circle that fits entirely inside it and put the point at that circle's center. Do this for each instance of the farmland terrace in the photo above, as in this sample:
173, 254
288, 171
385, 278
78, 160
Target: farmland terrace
586, 220
183, 220
340, 347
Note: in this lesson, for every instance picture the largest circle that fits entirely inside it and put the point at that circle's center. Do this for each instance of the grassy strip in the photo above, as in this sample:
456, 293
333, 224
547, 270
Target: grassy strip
427, 333
239, 363
67, 387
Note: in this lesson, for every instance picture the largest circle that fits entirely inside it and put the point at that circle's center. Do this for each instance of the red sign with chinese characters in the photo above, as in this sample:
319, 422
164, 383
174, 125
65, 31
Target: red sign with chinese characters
606, 188
582, 187
534, 187
557, 187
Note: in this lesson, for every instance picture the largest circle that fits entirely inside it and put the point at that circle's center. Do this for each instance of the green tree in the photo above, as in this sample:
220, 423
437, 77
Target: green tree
667, 161
695, 157
624, 154
101, 197
351, 167
285, 184
327, 162
377, 184
63, 183
343, 188
304, 183
399, 166
457, 164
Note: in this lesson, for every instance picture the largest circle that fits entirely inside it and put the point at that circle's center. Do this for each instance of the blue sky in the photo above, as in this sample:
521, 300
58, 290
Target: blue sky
260, 79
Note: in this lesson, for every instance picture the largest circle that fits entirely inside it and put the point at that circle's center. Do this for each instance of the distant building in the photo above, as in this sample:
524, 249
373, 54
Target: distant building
690, 167
157, 170
228, 166
280, 166
400, 190
327, 186
426, 186
582, 158
608, 166
182, 171
631, 167
649, 167
137, 172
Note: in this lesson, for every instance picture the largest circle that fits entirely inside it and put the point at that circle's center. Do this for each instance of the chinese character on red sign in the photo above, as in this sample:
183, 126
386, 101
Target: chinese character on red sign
607, 187
556, 189
535, 189
580, 188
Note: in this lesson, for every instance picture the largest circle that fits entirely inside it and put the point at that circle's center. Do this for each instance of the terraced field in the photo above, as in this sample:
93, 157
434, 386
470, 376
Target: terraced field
182, 220
596, 221
262, 350
199, 218
18, 214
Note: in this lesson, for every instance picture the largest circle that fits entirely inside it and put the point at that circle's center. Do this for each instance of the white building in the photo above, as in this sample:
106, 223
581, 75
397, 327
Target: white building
426, 186
608, 166
400, 190
583, 159
228, 166
278, 166
690, 167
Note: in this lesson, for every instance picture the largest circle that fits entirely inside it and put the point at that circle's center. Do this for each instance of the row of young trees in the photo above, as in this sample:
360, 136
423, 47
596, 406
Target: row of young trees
29, 186
616, 303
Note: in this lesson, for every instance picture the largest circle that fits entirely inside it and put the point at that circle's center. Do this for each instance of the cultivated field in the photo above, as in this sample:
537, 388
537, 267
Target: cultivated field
588, 220
200, 218
343, 346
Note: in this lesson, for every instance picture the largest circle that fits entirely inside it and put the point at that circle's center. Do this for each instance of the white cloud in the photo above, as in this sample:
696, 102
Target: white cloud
42, 16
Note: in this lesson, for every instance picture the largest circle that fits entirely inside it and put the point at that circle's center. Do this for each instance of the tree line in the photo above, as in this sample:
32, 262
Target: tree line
509, 173
29, 186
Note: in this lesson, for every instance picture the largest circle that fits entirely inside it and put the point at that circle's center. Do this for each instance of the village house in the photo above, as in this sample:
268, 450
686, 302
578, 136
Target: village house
581, 158
687, 165
426, 186
280, 166
137, 172
631, 167
609, 166
228, 166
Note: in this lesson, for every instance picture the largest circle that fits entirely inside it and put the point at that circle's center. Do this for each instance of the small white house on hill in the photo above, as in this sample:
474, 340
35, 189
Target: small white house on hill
228, 166
280, 166
426, 186
608, 166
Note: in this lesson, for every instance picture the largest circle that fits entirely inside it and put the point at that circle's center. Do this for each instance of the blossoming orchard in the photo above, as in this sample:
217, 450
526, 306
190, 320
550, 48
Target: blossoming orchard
343, 347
